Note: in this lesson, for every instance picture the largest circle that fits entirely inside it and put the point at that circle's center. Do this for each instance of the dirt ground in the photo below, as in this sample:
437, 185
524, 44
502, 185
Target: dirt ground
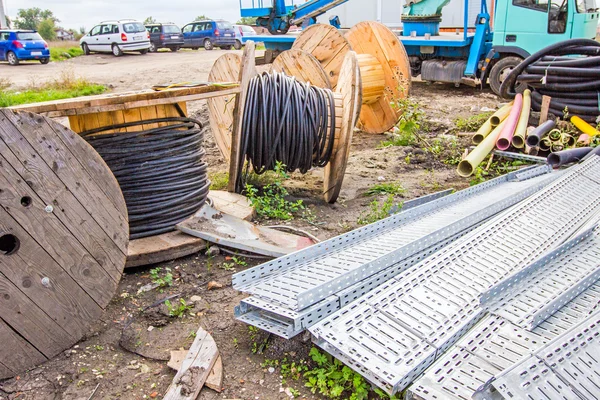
125, 353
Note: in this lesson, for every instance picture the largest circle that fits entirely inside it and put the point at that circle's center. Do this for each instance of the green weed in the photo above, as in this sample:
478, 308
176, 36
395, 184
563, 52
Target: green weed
393, 188
64, 53
377, 211
471, 123
412, 119
218, 180
178, 309
270, 202
258, 346
235, 261
163, 280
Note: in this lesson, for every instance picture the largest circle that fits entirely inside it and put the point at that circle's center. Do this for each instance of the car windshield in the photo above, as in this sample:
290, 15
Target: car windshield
586, 6
29, 36
224, 25
171, 29
134, 27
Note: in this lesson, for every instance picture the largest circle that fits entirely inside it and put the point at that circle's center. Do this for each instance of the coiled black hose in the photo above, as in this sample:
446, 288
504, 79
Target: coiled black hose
572, 82
161, 171
286, 121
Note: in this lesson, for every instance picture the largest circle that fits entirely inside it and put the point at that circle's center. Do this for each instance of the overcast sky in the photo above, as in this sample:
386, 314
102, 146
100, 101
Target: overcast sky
87, 13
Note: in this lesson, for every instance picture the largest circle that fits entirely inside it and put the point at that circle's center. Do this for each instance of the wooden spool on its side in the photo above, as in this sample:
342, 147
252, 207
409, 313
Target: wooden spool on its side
347, 104
383, 64
63, 239
303, 66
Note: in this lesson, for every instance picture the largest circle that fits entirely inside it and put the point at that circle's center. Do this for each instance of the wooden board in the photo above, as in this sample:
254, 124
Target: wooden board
349, 89
379, 41
195, 369
63, 239
327, 45
225, 69
236, 159
215, 378
160, 248
303, 66
124, 101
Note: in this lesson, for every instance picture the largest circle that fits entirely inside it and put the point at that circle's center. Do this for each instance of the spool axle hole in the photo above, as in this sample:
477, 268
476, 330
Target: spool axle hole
26, 201
9, 244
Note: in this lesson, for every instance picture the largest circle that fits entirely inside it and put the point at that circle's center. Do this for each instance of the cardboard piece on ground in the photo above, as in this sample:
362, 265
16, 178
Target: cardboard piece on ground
195, 368
215, 378
223, 229
232, 203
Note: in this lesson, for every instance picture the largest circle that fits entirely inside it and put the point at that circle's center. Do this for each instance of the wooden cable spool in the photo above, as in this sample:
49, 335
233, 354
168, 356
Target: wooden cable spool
63, 239
382, 60
226, 113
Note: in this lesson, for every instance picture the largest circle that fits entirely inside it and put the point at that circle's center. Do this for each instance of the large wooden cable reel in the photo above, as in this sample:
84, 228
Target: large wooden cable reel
382, 60
226, 113
63, 239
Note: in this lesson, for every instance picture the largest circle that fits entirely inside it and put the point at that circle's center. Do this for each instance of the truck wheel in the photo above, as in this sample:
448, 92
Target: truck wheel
500, 71
208, 45
12, 58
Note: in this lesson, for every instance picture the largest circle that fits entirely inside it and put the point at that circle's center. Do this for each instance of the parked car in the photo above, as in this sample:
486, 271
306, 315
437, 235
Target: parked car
116, 37
164, 36
242, 31
208, 34
20, 45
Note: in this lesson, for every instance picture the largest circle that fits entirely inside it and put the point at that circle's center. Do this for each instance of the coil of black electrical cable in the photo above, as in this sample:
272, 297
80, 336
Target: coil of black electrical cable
572, 82
286, 121
161, 171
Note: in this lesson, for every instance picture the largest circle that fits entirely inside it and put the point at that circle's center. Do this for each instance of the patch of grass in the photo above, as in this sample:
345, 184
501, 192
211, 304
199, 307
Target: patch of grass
178, 309
377, 211
218, 180
66, 86
64, 53
235, 261
393, 188
471, 123
162, 280
412, 119
270, 202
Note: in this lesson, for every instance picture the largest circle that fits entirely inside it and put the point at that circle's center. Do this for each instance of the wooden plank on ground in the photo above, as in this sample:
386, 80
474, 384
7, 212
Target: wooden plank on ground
168, 246
195, 369
215, 378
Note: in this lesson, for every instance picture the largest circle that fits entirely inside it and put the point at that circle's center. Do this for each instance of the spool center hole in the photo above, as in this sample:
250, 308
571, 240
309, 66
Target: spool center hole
9, 244
26, 201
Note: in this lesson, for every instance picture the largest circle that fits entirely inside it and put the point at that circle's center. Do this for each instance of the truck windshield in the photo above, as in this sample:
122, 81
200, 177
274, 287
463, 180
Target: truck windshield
584, 6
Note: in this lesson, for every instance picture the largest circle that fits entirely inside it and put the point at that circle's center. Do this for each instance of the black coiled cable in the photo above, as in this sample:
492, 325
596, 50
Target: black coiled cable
161, 171
572, 82
286, 121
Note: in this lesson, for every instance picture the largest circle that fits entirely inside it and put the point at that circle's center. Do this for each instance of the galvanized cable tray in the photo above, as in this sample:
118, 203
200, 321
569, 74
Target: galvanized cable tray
566, 368
288, 323
392, 335
301, 279
563, 293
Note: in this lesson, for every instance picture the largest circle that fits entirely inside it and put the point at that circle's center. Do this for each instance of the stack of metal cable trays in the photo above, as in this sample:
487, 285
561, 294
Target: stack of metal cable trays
395, 333
294, 292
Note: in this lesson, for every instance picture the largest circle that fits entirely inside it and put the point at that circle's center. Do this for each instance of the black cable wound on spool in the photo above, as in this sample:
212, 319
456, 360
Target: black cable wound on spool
161, 171
286, 121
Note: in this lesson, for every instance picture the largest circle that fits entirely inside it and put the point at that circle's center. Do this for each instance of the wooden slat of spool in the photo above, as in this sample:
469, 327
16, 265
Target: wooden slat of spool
380, 42
349, 89
225, 69
327, 45
303, 66
63, 236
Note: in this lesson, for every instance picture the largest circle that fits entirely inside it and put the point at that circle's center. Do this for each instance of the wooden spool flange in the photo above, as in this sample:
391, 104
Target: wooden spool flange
347, 104
63, 239
383, 64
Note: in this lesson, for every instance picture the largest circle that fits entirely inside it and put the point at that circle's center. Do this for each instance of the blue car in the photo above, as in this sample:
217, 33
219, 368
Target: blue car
20, 45
208, 34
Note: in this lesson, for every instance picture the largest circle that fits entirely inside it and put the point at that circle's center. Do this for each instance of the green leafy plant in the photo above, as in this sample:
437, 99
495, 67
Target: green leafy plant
471, 123
163, 280
178, 309
377, 211
393, 188
257, 345
235, 261
334, 380
271, 202
411, 120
